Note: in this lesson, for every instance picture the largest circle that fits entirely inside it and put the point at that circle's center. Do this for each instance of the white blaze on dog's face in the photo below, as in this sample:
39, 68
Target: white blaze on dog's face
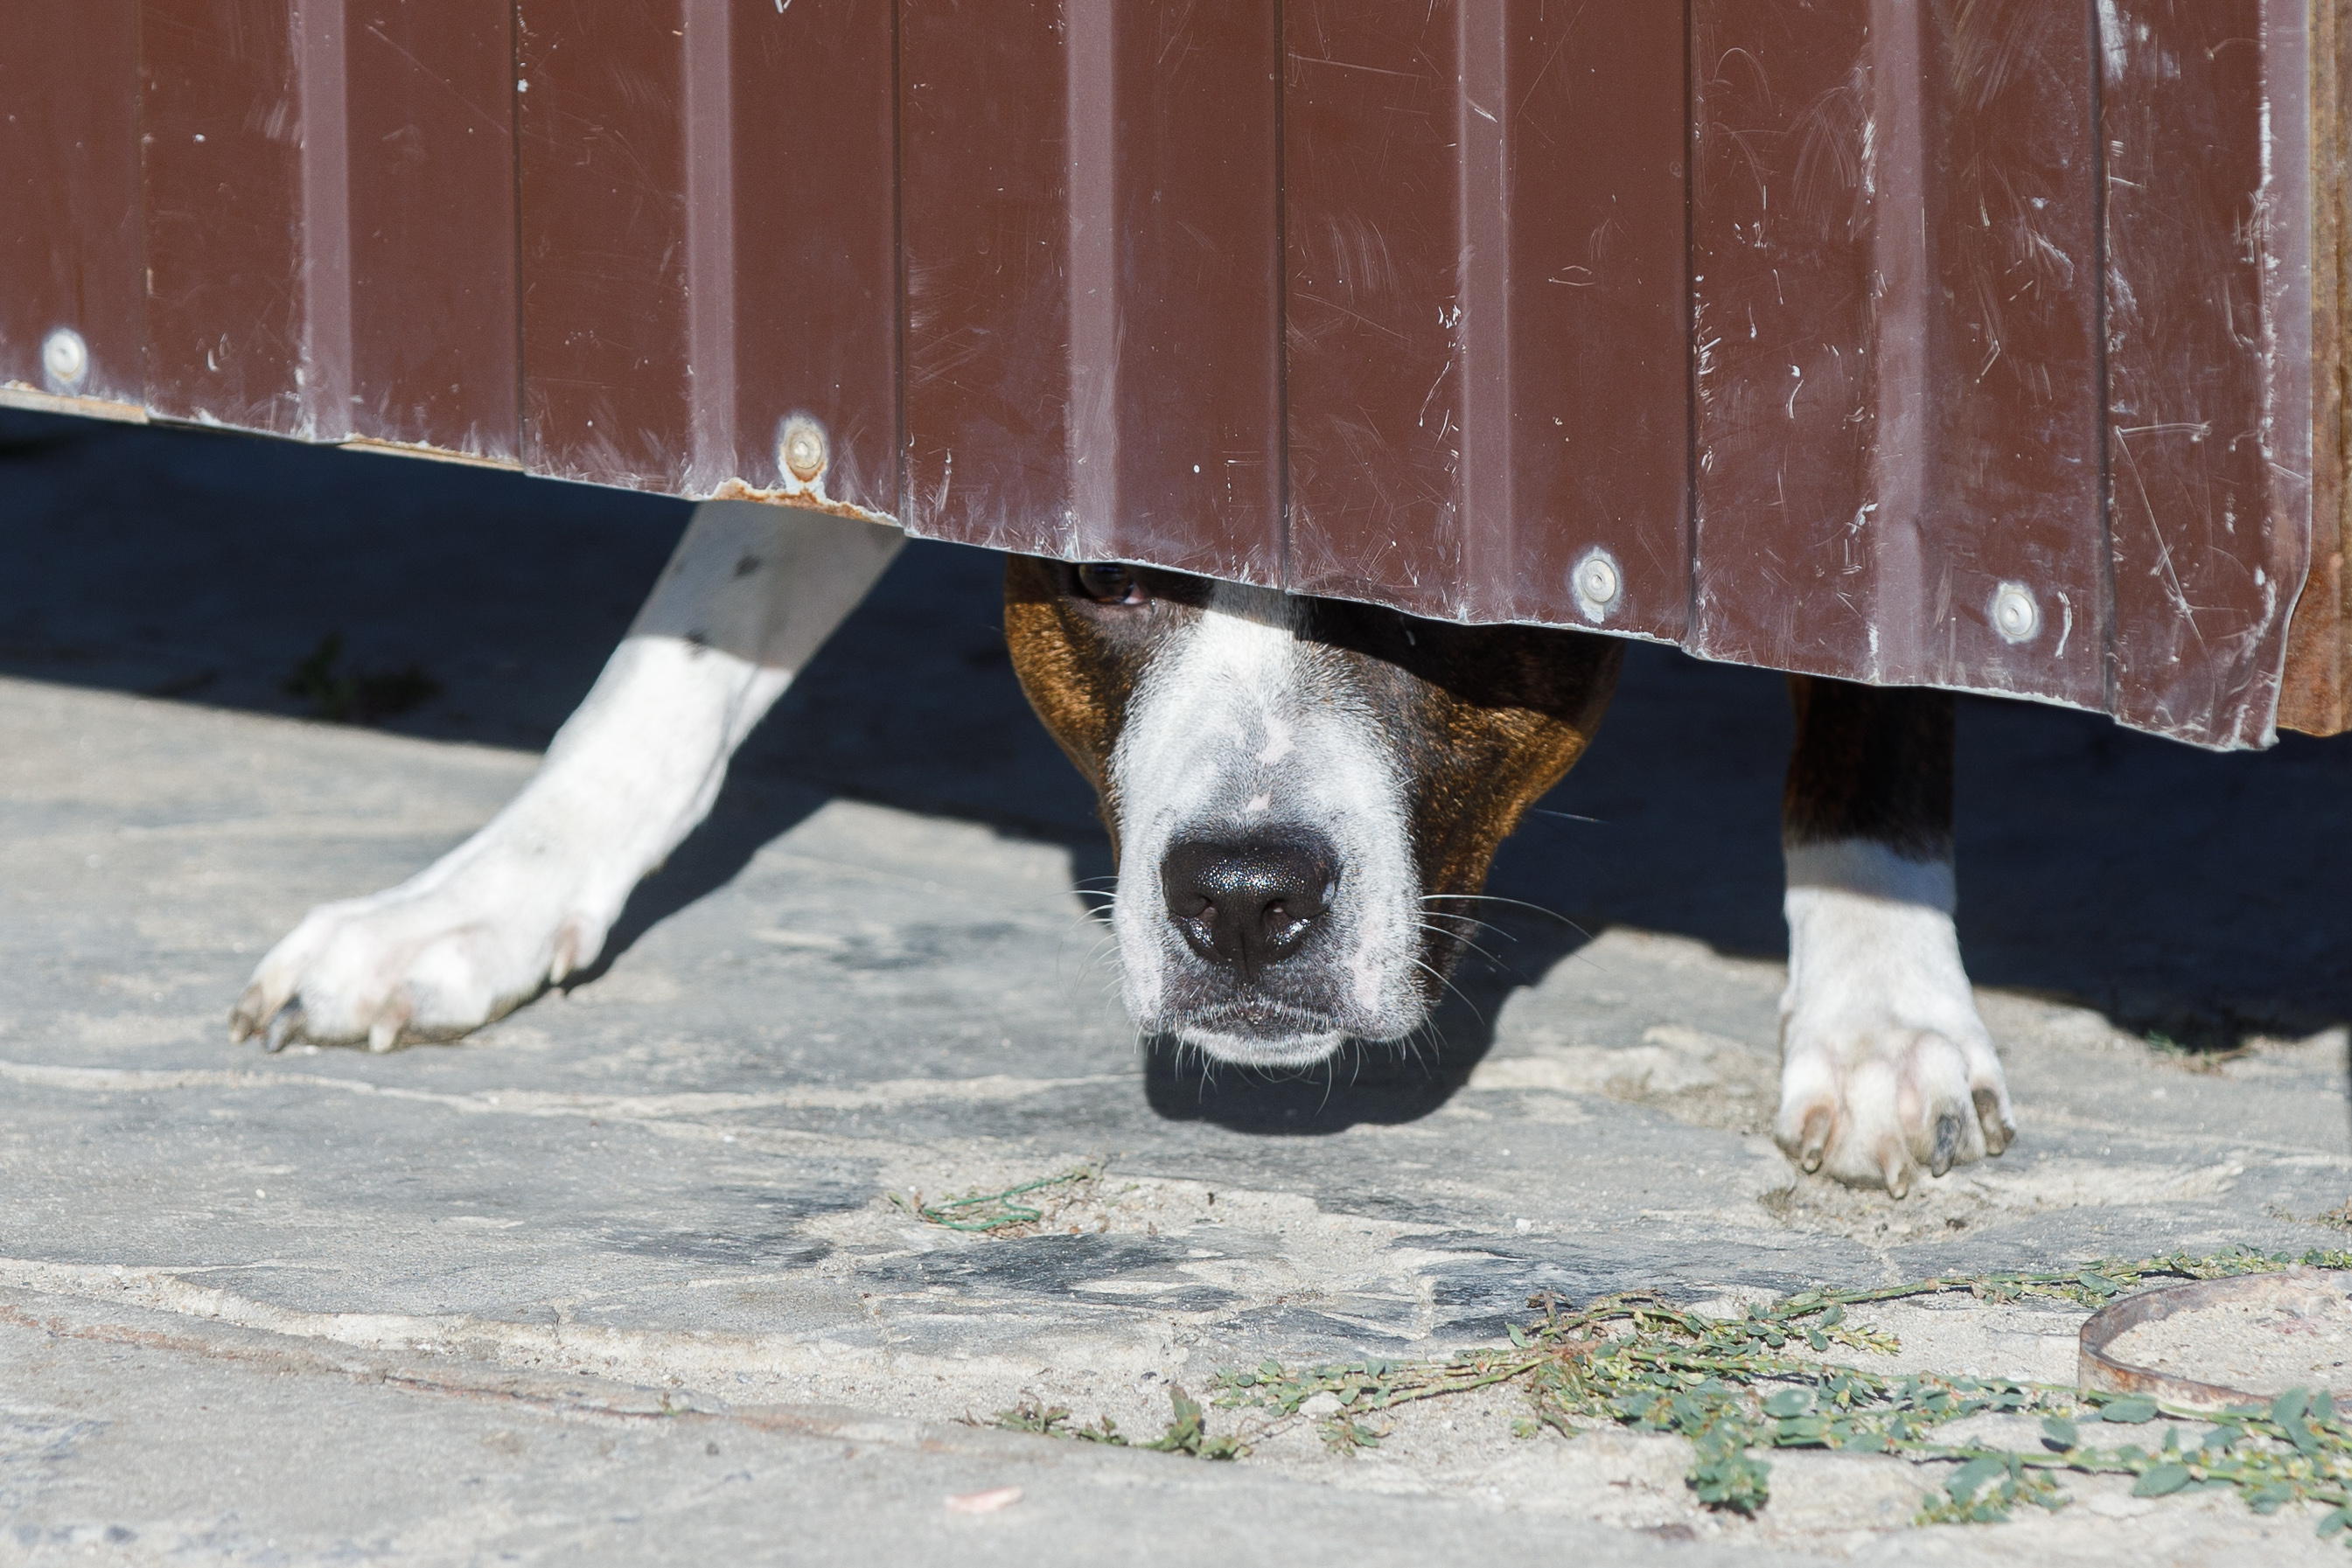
1250, 768
1304, 793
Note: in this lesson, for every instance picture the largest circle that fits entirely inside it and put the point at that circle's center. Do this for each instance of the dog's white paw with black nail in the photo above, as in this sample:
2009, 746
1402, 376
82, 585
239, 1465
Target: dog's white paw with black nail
1886, 1070
442, 954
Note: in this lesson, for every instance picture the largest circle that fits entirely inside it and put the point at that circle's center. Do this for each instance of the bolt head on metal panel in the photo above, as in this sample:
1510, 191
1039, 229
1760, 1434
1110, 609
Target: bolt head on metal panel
803, 450
1598, 585
2015, 613
65, 356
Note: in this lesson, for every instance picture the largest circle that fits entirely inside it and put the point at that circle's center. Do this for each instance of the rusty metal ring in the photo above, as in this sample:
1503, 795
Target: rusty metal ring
2099, 1371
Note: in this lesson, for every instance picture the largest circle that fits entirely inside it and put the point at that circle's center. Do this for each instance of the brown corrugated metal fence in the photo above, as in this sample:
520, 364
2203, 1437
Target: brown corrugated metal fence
1980, 343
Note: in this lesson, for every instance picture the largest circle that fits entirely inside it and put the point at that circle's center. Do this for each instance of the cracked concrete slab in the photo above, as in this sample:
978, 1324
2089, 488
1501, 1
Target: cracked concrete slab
497, 1299
216, 1446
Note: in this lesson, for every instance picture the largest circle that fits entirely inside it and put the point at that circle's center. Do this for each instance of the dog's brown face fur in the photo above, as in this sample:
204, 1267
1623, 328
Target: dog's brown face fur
1306, 793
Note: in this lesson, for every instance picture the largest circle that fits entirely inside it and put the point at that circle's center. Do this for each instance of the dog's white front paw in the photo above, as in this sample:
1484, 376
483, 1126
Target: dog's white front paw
440, 955
1885, 1068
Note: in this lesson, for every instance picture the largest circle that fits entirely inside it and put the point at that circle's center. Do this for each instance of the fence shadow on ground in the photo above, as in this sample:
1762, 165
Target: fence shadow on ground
2194, 895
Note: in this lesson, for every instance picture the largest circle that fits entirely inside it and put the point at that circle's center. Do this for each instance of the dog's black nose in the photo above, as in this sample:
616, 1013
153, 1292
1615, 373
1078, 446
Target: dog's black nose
1249, 903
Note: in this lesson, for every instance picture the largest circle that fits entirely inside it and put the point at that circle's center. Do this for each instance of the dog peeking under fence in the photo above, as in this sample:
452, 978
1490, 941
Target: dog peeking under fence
1303, 795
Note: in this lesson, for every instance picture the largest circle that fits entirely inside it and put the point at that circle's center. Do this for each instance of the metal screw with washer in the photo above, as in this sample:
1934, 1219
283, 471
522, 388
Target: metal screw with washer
65, 357
803, 450
1596, 580
1597, 584
2015, 615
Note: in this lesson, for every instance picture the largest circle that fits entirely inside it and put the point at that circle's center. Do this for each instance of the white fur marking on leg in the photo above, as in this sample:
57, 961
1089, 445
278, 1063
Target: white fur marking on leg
1885, 1066
1872, 871
748, 597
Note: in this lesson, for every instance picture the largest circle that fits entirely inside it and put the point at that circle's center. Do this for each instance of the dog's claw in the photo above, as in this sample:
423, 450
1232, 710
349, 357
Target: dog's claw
245, 1019
1819, 1124
1999, 1132
1948, 1143
285, 1026
1898, 1173
568, 942
385, 1032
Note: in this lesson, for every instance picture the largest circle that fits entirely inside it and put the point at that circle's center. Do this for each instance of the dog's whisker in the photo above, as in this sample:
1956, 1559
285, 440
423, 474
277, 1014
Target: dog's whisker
1408, 1046
1041, 899
1208, 1070
1469, 922
1457, 937
1331, 1077
1089, 964
1547, 912
1550, 913
1100, 938
1450, 985
1446, 939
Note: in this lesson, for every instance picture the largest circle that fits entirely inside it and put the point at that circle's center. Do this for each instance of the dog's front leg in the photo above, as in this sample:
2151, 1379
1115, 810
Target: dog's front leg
746, 600
1885, 1068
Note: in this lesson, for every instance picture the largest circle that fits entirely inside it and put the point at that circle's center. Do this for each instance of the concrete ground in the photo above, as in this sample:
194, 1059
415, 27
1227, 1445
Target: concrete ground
618, 1280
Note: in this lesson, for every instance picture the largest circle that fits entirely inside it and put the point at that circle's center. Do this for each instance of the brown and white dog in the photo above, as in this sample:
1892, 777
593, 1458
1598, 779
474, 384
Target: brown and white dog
1305, 796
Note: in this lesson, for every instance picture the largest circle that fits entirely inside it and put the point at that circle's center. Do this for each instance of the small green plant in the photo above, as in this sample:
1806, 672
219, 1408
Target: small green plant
1054, 1421
1346, 1437
1188, 1429
1739, 1387
983, 1212
364, 699
2200, 1044
1188, 1432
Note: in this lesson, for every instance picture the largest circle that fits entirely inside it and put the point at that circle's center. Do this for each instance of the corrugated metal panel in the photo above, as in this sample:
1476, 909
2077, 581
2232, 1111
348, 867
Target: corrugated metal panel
610, 255
71, 272
1960, 343
1093, 306
1485, 206
809, 327
2209, 390
234, 328
1896, 268
429, 207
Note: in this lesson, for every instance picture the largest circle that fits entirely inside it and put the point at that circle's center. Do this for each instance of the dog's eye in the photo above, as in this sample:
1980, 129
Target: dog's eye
1108, 582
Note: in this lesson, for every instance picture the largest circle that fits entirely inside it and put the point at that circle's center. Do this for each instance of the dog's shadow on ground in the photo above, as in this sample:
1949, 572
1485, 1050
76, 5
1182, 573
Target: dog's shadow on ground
2190, 896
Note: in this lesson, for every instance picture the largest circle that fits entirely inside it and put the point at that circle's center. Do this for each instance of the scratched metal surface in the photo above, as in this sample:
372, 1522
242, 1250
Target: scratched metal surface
1898, 387
1955, 342
2208, 326
1485, 218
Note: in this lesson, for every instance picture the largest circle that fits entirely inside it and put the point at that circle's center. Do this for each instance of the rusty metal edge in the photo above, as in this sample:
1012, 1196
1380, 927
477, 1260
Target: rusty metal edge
798, 496
801, 498
33, 399
431, 454
2097, 1372
2316, 685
